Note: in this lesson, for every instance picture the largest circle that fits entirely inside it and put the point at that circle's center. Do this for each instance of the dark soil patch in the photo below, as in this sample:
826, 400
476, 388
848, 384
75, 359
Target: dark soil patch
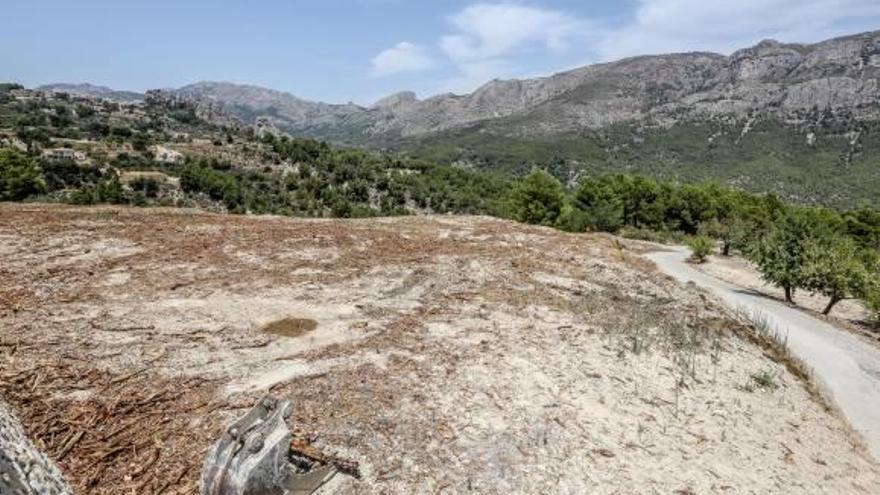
291, 327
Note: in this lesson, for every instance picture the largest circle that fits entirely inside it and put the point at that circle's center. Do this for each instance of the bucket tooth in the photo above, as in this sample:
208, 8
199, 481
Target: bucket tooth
252, 457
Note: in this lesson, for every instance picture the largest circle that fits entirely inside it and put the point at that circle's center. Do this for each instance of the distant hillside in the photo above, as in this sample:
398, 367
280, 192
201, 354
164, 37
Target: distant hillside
771, 79
801, 120
287, 112
164, 150
89, 90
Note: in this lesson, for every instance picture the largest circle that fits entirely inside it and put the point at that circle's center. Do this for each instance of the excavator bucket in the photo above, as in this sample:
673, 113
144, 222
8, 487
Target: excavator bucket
254, 457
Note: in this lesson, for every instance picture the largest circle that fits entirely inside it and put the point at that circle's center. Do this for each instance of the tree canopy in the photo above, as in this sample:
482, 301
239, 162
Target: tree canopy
19, 176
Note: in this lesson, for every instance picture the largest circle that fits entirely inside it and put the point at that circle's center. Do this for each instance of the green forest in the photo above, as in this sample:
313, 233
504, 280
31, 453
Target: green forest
772, 156
796, 247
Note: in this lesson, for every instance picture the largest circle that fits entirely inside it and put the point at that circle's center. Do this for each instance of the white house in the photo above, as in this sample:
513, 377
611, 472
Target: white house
65, 154
166, 155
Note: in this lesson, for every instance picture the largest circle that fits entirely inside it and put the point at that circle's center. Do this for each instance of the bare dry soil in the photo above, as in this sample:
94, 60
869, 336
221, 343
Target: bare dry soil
445, 354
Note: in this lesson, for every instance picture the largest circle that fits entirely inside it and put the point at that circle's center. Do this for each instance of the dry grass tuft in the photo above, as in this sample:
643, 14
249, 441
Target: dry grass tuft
759, 331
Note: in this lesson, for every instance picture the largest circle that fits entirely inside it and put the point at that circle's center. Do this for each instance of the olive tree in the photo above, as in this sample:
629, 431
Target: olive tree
836, 267
780, 249
731, 231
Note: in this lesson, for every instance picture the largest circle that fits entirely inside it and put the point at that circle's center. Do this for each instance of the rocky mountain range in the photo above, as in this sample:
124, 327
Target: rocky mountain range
787, 81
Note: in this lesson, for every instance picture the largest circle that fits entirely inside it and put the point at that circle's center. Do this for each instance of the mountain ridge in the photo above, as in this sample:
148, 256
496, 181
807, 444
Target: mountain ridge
772, 113
836, 73
93, 91
651, 88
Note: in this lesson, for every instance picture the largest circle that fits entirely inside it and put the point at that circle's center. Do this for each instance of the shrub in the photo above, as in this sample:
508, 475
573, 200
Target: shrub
84, 196
123, 132
765, 379
147, 186
19, 177
871, 297
227, 188
110, 191
872, 303
701, 247
651, 235
140, 142
537, 199
573, 219
602, 206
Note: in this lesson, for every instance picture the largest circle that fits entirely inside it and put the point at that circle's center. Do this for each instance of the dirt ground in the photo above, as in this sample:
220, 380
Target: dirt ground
444, 354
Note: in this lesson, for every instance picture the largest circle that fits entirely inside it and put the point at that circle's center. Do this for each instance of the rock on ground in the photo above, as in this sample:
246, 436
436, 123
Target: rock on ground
24, 470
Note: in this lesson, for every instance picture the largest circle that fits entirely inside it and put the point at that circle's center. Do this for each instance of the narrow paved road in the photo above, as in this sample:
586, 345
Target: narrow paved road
845, 365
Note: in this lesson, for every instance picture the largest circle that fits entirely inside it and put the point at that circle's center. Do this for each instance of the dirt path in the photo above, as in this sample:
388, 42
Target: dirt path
847, 367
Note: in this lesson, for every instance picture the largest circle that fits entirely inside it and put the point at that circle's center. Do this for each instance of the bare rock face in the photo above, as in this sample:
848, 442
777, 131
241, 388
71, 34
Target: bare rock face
249, 102
24, 470
264, 126
397, 101
767, 61
206, 109
832, 92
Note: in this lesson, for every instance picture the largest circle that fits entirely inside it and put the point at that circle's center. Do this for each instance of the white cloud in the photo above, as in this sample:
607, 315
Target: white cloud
488, 37
486, 31
514, 39
402, 57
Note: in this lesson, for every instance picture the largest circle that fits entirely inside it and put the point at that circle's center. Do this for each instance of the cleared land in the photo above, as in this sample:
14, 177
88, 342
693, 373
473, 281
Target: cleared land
847, 367
445, 354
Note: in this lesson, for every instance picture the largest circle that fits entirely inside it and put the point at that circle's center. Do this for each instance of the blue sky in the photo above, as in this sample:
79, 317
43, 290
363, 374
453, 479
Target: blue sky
360, 50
